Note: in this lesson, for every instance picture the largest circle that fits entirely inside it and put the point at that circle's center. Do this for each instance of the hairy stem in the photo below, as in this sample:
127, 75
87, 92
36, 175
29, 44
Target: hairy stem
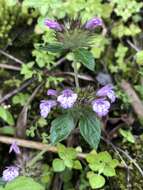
38, 157
76, 75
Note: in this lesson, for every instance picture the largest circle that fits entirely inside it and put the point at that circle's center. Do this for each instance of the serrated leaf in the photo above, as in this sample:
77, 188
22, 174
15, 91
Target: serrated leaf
20, 98
6, 116
109, 171
90, 158
104, 156
11, 2
58, 165
61, 128
66, 153
97, 166
71, 153
90, 129
85, 57
23, 183
114, 163
77, 165
68, 163
127, 135
36, 3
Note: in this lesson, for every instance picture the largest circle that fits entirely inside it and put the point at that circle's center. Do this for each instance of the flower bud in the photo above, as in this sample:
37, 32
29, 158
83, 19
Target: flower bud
93, 23
53, 25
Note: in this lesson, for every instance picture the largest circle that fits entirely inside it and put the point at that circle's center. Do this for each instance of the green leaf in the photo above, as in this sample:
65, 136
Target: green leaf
97, 166
139, 57
109, 171
95, 181
27, 70
58, 165
90, 158
114, 163
68, 163
61, 128
85, 57
104, 156
71, 153
54, 48
127, 135
77, 165
90, 129
23, 183
7, 130
6, 116
20, 98
66, 153
11, 2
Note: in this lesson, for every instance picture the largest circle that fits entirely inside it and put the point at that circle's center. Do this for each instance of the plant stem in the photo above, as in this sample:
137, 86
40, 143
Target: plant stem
37, 158
76, 75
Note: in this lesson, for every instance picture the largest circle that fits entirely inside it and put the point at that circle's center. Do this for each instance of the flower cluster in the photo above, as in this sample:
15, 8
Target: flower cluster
65, 99
89, 25
102, 105
10, 173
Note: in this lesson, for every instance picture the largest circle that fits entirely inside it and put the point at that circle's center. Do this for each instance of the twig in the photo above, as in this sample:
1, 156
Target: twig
21, 124
135, 101
15, 91
11, 67
126, 154
80, 76
59, 62
11, 57
33, 145
133, 46
132, 160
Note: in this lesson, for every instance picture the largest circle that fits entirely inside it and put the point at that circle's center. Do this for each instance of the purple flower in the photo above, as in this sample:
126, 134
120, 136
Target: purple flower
10, 173
53, 25
67, 99
101, 107
107, 91
93, 23
45, 107
52, 92
15, 148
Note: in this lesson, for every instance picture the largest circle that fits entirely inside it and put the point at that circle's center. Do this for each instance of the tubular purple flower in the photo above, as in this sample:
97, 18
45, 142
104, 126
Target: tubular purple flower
10, 173
67, 99
15, 148
52, 92
107, 91
45, 107
53, 25
93, 23
101, 107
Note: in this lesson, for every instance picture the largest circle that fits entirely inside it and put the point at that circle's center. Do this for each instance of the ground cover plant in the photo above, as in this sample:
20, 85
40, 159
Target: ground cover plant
71, 94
